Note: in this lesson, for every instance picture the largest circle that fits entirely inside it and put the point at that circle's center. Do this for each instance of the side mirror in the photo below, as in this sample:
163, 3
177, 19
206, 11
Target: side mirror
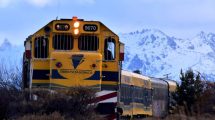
121, 52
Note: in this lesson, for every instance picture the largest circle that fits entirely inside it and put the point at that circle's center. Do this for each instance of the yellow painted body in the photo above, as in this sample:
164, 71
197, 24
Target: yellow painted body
133, 108
78, 75
74, 76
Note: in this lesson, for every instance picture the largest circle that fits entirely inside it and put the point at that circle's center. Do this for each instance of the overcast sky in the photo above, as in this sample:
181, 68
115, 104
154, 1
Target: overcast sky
179, 18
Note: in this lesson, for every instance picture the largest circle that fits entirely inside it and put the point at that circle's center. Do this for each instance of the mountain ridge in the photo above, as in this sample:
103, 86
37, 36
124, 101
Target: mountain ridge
158, 54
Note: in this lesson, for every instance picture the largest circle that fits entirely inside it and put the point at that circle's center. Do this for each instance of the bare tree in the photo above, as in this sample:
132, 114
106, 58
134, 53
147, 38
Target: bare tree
10, 76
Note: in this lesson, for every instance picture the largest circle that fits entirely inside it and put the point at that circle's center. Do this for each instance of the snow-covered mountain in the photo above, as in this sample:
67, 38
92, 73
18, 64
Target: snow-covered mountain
10, 55
157, 54
153, 52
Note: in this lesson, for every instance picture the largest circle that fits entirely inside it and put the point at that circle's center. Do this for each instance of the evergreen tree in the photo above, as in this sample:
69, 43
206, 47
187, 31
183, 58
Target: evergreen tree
198, 86
189, 90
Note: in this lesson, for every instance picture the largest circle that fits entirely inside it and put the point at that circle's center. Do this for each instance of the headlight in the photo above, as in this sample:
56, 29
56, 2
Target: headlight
76, 24
62, 27
76, 31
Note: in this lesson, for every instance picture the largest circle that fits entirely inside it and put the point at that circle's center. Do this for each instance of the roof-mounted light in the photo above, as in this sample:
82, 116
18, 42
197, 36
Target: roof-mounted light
74, 18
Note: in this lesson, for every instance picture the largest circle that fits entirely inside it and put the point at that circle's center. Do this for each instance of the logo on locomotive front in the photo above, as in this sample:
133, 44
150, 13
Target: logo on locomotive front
77, 60
77, 68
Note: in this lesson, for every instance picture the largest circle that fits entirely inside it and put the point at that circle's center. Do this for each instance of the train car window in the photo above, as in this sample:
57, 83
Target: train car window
149, 95
123, 91
109, 49
63, 42
41, 47
88, 42
140, 95
133, 93
126, 92
137, 92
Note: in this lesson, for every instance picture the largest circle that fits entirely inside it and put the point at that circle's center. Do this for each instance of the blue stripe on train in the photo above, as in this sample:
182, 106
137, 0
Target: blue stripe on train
95, 76
41, 74
56, 75
110, 76
44, 74
107, 75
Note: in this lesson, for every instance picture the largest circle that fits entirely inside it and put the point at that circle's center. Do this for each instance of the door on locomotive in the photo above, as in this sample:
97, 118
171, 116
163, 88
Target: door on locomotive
110, 67
110, 73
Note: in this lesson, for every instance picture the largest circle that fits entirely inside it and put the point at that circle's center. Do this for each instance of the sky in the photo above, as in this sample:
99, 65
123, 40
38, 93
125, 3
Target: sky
179, 18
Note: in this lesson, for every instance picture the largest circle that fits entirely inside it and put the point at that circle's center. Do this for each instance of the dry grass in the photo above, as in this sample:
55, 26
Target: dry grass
53, 116
71, 104
185, 117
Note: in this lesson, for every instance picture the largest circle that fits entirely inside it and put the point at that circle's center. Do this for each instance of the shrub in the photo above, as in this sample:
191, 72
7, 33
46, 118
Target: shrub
71, 103
206, 102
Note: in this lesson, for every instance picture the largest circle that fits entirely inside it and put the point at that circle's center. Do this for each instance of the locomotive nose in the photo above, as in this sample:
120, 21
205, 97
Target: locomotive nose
76, 69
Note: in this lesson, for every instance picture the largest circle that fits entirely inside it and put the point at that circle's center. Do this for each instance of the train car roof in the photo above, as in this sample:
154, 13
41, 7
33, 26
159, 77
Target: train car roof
158, 81
135, 75
172, 84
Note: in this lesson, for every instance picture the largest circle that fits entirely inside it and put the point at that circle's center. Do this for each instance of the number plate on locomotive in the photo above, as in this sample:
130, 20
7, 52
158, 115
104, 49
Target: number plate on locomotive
90, 27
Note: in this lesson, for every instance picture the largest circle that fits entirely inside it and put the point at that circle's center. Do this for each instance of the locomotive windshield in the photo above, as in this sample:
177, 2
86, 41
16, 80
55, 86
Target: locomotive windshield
63, 42
109, 49
41, 47
88, 42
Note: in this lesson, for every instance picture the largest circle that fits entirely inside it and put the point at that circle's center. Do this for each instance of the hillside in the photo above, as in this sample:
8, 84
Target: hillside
157, 54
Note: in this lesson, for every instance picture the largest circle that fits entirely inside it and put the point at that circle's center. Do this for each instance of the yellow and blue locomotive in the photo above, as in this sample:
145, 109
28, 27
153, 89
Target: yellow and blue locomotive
74, 52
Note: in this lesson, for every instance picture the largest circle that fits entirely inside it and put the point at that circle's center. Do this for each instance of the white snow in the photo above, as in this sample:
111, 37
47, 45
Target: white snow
161, 54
